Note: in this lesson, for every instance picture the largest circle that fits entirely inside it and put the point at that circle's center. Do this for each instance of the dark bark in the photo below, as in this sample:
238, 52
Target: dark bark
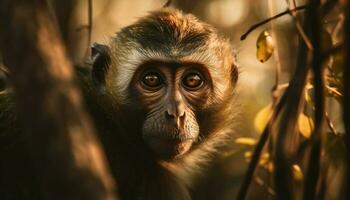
346, 98
313, 168
66, 152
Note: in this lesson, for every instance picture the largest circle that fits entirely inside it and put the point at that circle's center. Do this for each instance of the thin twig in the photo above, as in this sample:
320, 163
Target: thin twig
331, 125
167, 4
89, 27
288, 11
299, 27
302, 34
261, 182
338, 96
338, 26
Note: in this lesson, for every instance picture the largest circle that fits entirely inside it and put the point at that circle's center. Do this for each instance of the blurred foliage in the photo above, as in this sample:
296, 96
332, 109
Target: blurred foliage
333, 151
305, 123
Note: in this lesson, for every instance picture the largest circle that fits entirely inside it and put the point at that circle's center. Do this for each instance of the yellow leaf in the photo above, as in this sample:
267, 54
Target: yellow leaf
264, 158
264, 46
297, 173
248, 154
262, 118
270, 167
246, 141
305, 125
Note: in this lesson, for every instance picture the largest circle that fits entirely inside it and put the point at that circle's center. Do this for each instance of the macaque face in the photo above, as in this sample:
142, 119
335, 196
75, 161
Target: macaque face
170, 77
171, 94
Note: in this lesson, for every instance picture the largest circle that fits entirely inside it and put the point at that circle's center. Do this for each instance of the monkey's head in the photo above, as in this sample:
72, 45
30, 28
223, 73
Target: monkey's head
172, 78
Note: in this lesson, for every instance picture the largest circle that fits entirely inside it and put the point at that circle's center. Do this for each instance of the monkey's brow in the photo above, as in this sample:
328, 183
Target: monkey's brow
161, 36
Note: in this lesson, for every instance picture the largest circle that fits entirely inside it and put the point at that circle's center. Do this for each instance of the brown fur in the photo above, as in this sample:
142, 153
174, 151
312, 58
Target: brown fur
167, 36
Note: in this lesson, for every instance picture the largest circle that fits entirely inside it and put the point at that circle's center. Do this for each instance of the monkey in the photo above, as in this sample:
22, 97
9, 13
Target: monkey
161, 92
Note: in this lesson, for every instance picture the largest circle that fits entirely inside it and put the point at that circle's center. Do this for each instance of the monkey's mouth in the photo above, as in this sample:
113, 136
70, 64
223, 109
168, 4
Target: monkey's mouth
169, 148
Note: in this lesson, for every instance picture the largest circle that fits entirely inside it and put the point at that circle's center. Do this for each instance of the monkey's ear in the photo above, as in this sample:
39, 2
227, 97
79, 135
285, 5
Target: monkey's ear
100, 56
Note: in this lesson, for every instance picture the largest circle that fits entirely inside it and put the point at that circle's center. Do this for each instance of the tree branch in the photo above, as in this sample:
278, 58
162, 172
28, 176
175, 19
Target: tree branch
252, 28
313, 168
346, 99
167, 4
61, 134
89, 22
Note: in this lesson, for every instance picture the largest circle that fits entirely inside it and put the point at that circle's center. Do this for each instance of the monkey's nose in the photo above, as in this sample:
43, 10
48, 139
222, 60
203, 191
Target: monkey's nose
176, 117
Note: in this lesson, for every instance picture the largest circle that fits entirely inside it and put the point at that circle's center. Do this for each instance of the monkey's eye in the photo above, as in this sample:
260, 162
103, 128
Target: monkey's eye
152, 80
192, 81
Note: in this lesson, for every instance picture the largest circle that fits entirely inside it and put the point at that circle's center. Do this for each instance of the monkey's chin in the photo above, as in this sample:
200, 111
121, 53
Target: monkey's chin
168, 149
